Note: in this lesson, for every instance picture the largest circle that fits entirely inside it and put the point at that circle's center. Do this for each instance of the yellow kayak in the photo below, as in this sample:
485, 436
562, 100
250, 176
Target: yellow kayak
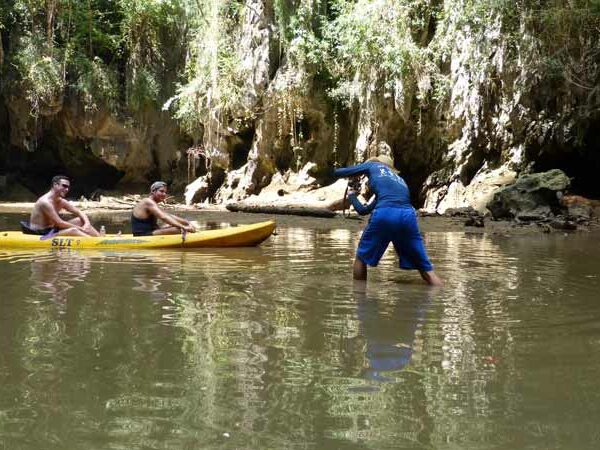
240, 236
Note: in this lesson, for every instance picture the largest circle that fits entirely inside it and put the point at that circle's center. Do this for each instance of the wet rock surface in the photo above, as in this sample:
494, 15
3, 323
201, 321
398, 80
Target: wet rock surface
532, 197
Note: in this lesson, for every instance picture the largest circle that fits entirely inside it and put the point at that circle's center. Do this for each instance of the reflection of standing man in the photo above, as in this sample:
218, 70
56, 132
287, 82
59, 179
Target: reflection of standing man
45, 218
393, 219
390, 337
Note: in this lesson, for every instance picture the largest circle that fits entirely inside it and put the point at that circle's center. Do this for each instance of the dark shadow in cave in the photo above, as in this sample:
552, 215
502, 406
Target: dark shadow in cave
415, 170
240, 148
583, 169
56, 155
4, 136
415, 178
216, 180
154, 172
200, 164
581, 165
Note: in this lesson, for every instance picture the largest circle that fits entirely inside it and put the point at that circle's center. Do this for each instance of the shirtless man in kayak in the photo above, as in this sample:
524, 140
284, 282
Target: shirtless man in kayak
45, 218
145, 215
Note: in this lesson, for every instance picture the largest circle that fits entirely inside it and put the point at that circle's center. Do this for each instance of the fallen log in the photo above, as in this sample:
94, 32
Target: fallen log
294, 210
124, 202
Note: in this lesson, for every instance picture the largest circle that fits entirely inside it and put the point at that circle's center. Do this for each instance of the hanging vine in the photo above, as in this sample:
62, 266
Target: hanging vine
336, 132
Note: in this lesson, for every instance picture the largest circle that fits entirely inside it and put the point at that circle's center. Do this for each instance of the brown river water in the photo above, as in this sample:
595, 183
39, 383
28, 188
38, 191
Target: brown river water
275, 347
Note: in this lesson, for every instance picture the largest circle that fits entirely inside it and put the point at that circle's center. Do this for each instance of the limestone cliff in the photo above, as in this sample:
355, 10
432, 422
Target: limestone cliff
505, 111
467, 96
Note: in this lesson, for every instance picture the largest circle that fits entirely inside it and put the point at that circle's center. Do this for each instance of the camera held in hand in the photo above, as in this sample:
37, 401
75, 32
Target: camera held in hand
354, 184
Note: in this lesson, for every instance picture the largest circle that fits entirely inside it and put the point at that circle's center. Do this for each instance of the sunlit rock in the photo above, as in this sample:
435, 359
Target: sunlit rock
196, 191
476, 194
531, 196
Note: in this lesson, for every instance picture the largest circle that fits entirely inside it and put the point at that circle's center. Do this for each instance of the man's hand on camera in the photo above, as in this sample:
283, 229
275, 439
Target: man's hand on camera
354, 185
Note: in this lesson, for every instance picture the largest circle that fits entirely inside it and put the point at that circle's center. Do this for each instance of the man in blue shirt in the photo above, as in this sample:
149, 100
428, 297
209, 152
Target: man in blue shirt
393, 219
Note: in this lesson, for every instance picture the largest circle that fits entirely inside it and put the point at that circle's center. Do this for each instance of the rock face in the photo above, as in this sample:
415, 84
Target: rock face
104, 143
486, 113
476, 194
98, 150
531, 197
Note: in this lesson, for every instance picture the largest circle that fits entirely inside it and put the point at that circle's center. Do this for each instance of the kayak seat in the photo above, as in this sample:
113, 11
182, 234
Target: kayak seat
26, 229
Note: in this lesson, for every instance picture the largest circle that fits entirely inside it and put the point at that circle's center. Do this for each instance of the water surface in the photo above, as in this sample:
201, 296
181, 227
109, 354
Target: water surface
275, 347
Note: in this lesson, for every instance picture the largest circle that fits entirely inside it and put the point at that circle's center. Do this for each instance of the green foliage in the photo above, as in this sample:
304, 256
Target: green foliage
570, 38
132, 51
4, 15
150, 30
284, 12
42, 76
84, 45
90, 29
372, 47
306, 47
215, 76
96, 84
140, 29
142, 90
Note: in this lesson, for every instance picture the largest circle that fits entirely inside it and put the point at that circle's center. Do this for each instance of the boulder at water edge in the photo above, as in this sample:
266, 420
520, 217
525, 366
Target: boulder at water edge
533, 195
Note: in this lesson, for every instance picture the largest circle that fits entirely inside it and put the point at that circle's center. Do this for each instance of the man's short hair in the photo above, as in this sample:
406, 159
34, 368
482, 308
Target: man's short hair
57, 178
157, 185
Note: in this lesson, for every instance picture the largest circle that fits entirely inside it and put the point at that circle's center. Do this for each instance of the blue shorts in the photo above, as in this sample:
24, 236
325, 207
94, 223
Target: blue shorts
399, 226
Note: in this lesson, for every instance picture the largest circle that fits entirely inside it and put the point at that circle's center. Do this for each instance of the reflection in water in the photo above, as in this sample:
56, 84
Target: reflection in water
390, 335
272, 347
150, 274
59, 273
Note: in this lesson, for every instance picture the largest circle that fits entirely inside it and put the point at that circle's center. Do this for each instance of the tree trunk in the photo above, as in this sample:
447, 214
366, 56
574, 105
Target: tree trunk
50, 10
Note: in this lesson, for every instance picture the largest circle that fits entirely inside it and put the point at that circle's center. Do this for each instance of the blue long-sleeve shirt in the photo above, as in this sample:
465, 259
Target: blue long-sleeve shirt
389, 188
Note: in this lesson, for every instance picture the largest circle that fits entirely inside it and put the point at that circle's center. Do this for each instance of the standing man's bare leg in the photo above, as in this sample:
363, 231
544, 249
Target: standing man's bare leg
359, 270
431, 278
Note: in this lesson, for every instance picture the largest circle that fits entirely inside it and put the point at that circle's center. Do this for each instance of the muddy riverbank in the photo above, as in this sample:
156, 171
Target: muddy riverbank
115, 213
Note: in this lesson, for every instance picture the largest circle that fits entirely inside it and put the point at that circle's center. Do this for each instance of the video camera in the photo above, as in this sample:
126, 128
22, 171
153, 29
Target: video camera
354, 183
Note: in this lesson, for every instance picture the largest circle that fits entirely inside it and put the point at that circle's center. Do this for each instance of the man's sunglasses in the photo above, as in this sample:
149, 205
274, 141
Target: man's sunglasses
66, 186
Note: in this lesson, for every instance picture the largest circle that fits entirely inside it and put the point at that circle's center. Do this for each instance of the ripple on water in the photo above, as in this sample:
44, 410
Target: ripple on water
157, 349
17, 256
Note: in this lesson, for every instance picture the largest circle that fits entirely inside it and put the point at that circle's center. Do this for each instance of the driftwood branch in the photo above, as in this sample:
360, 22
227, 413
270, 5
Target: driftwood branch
282, 209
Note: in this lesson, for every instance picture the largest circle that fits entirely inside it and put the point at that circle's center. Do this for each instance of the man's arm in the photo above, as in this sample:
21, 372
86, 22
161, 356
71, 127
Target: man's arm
73, 209
359, 207
175, 221
49, 211
180, 219
360, 169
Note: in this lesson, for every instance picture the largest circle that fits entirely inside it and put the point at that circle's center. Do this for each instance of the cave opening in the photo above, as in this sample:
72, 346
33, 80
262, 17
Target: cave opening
581, 164
56, 154
216, 180
200, 165
415, 180
416, 166
240, 148
4, 137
